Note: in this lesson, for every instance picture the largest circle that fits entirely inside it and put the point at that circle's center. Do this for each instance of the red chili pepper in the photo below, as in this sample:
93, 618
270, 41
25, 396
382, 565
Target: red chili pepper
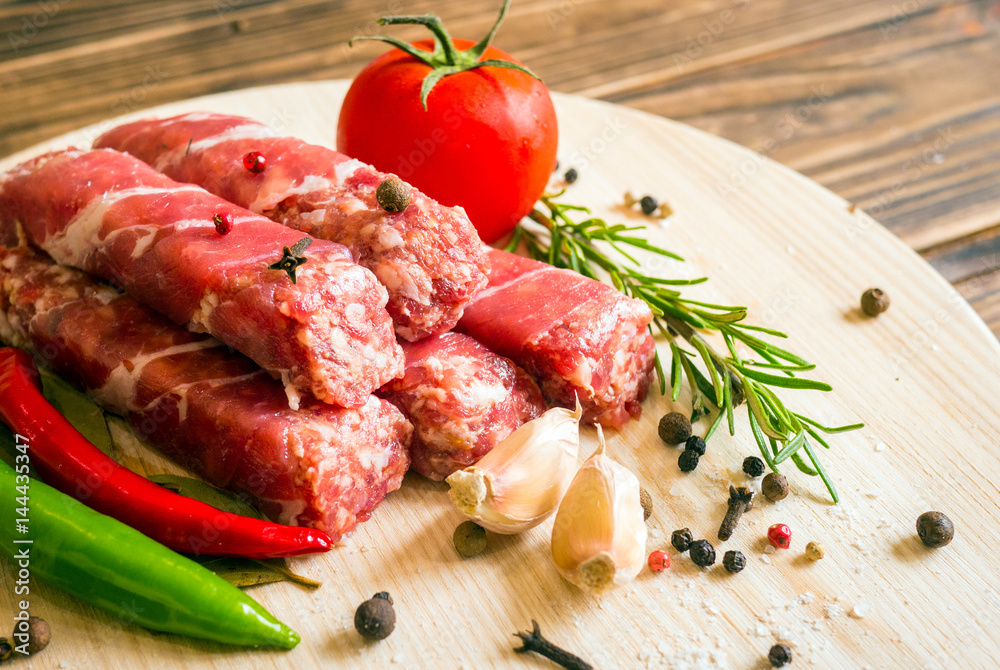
67, 461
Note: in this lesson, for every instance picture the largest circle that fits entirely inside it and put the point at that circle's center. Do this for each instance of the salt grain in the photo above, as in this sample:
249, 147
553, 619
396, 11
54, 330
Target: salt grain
880, 446
861, 610
765, 558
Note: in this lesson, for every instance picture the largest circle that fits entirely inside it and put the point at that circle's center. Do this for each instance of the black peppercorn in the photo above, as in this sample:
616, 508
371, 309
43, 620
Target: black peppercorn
935, 529
393, 194
874, 301
681, 539
695, 444
702, 553
688, 460
674, 428
646, 501
571, 175
779, 655
6, 649
375, 618
753, 466
648, 204
734, 561
774, 487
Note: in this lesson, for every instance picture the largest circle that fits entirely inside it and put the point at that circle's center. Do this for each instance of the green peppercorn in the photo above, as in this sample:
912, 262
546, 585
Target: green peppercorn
648, 204
874, 301
571, 175
469, 539
688, 460
774, 487
375, 618
646, 501
753, 466
734, 561
702, 553
779, 655
935, 529
695, 444
681, 539
674, 428
393, 194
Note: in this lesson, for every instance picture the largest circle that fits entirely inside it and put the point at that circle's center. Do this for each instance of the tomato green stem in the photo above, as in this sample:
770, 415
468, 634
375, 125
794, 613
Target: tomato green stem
446, 59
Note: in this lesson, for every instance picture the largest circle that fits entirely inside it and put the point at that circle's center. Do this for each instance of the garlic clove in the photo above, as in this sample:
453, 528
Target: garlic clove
599, 536
519, 484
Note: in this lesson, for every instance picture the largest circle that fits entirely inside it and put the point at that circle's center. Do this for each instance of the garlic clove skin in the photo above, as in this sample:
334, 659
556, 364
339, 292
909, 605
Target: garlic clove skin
519, 484
599, 536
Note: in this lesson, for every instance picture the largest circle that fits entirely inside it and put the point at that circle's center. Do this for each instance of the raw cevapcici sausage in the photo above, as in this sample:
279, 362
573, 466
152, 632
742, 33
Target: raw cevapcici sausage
71, 464
429, 257
105, 212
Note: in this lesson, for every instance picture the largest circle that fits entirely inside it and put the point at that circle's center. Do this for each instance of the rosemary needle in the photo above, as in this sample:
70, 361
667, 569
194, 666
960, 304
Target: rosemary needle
718, 381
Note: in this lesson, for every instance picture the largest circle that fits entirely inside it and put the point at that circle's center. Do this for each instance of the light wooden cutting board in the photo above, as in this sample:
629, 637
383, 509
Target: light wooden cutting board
923, 377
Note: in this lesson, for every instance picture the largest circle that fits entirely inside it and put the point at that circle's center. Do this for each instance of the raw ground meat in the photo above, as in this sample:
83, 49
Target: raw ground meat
574, 335
462, 399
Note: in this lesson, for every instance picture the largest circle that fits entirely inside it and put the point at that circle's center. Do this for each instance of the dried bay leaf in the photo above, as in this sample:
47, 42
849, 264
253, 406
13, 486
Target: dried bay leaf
83, 413
238, 571
208, 494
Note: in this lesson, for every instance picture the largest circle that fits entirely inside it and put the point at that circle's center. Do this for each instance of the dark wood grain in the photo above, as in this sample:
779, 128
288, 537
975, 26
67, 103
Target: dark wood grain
893, 104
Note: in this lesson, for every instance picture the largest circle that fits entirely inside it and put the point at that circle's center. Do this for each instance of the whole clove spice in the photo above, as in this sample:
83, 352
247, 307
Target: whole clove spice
534, 641
740, 501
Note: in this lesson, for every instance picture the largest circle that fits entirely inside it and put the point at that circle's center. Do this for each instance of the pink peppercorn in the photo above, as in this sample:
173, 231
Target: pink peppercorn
659, 561
780, 535
223, 223
255, 161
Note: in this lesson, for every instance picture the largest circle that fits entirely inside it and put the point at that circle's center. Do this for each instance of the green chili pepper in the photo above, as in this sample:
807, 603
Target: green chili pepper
108, 564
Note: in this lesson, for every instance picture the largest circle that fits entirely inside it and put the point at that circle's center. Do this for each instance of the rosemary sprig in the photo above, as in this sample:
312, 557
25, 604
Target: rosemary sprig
719, 381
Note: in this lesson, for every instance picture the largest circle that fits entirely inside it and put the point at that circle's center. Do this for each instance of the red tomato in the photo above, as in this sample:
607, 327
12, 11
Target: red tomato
487, 140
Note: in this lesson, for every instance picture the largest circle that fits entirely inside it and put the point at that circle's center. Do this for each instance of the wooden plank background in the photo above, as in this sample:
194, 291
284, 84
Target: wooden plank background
893, 104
